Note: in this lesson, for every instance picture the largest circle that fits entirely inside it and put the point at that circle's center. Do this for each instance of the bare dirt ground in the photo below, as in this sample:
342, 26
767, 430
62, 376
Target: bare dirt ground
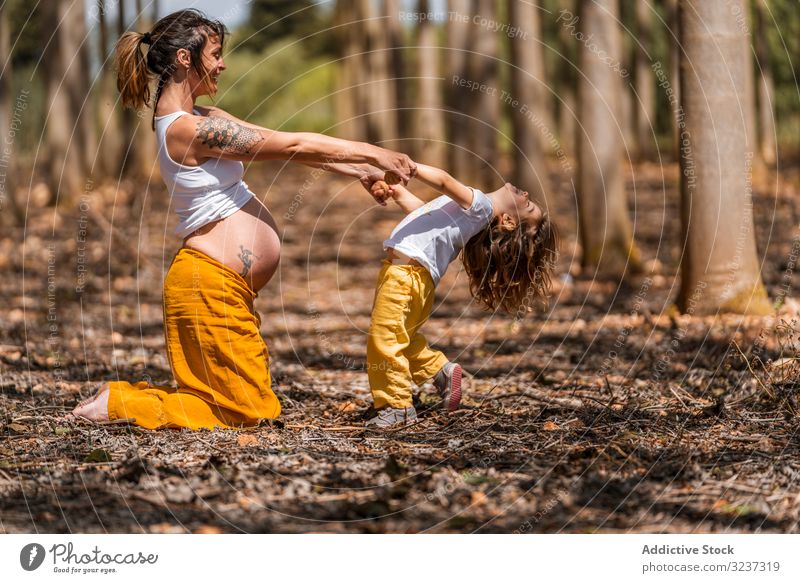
609, 413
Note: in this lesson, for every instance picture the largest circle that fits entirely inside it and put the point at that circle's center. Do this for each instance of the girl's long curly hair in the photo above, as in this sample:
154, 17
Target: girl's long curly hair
511, 270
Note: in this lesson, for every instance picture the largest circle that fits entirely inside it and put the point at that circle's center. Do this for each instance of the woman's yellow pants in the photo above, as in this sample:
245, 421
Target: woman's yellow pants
397, 354
217, 355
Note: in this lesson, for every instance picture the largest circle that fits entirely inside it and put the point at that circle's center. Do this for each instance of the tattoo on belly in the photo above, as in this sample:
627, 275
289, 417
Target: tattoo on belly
246, 256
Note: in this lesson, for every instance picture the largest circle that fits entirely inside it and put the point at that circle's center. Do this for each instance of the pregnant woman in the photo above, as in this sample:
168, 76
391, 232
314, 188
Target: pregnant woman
231, 246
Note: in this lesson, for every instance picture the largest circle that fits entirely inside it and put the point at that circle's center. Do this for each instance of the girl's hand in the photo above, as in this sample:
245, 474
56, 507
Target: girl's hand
380, 191
369, 176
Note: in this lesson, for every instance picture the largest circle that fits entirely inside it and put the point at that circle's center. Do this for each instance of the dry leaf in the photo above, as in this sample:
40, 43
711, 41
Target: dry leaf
550, 426
246, 440
346, 407
247, 503
478, 498
166, 528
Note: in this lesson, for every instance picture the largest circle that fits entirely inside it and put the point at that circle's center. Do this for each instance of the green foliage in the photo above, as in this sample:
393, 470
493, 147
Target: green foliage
98, 456
272, 20
27, 33
282, 87
783, 36
29, 104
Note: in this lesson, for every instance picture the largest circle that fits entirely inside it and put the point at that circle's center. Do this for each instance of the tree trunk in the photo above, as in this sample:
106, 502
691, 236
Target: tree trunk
720, 269
429, 135
766, 88
351, 125
626, 100
528, 106
145, 142
395, 45
8, 168
71, 146
484, 105
109, 145
127, 159
567, 79
674, 40
747, 99
604, 225
382, 117
645, 83
458, 45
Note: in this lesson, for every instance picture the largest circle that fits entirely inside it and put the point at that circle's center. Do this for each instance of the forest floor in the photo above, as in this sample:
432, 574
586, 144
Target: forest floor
608, 413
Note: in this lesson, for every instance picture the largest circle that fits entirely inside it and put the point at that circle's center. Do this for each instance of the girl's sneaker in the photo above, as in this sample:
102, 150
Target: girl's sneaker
448, 384
390, 417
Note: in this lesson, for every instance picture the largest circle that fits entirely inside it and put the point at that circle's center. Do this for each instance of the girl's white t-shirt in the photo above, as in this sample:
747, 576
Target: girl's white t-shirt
436, 232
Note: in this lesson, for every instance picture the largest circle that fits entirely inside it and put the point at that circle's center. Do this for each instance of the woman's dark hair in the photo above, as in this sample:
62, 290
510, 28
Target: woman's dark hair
137, 63
511, 269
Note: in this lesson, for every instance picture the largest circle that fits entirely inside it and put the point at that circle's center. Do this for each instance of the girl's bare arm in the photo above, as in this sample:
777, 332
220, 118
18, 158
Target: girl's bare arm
446, 184
404, 198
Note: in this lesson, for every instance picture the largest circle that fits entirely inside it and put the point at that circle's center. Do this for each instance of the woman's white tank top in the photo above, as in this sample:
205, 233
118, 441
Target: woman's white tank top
200, 194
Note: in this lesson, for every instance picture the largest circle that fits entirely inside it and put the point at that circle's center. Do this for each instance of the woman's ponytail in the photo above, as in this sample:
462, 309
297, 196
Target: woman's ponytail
136, 65
133, 77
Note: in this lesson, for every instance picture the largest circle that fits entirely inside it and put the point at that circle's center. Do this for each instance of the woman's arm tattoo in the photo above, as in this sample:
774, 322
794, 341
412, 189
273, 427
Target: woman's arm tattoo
229, 136
246, 255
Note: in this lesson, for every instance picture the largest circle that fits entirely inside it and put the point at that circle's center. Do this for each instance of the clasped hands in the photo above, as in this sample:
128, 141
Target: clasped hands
380, 185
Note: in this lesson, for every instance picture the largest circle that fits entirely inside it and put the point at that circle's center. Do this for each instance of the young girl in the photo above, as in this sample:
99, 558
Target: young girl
509, 248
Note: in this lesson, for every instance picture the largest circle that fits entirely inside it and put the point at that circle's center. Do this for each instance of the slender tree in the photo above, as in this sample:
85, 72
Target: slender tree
6, 107
626, 101
645, 83
720, 268
458, 47
604, 225
395, 45
528, 108
766, 87
71, 144
348, 99
566, 79
108, 122
145, 148
484, 106
7, 169
673, 38
748, 97
127, 121
381, 93
429, 132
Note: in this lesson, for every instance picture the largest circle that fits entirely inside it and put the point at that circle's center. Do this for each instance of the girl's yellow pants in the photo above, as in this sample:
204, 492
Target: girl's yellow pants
217, 355
397, 354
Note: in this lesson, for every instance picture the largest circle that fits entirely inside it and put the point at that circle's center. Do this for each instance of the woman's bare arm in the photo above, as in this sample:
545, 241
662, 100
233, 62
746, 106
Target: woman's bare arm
218, 136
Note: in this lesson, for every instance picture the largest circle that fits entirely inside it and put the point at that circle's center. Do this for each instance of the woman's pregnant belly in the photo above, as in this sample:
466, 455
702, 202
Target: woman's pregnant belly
247, 242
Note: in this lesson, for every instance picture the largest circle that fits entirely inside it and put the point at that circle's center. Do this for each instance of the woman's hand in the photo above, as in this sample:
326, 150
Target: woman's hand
395, 163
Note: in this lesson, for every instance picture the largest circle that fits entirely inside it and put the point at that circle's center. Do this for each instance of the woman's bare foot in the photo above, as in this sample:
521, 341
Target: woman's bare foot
96, 408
